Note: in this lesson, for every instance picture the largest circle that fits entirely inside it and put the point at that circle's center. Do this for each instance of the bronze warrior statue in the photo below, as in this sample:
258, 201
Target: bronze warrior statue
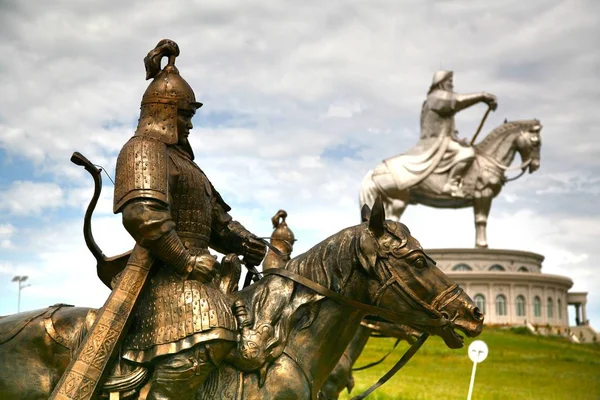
175, 325
170, 207
282, 239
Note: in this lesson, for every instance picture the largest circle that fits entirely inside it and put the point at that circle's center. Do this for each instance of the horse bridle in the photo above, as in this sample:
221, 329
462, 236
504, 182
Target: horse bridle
440, 319
437, 304
505, 168
436, 307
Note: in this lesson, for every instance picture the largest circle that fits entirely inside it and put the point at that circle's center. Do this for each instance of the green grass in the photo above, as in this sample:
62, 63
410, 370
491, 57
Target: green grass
519, 366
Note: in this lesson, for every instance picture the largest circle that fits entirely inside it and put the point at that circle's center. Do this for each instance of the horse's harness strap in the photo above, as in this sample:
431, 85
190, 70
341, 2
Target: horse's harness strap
439, 303
294, 357
393, 316
506, 167
382, 359
436, 305
51, 331
401, 363
6, 336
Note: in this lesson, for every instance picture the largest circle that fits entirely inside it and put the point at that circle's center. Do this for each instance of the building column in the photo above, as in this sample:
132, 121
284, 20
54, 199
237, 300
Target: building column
529, 305
510, 307
577, 319
584, 320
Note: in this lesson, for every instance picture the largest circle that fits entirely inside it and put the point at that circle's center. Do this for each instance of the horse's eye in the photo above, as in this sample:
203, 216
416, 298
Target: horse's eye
535, 141
420, 263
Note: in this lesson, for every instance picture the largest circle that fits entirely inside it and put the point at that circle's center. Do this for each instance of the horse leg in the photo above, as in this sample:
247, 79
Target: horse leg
482, 202
368, 191
341, 377
394, 203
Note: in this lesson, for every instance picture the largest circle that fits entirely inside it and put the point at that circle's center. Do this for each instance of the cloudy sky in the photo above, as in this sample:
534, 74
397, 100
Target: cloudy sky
301, 100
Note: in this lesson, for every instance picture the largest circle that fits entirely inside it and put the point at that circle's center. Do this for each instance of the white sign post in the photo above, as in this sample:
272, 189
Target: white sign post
478, 351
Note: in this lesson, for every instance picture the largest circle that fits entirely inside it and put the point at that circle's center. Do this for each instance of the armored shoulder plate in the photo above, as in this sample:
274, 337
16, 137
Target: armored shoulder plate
141, 172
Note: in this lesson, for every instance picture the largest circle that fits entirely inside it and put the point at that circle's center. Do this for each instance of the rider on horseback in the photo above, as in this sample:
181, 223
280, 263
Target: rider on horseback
183, 326
438, 132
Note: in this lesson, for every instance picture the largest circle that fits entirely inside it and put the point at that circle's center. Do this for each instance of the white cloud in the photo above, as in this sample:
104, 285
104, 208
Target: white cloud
343, 110
6, 233
31, 198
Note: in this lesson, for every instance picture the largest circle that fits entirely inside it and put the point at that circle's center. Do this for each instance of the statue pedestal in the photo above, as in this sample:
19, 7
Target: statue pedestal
508, 285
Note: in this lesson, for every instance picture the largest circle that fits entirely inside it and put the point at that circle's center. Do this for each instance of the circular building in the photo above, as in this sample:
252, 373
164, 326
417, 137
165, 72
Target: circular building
509, 286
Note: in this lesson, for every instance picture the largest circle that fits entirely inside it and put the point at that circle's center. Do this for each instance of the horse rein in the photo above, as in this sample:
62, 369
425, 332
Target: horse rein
441, 321
437, 305
505, 168
440, 301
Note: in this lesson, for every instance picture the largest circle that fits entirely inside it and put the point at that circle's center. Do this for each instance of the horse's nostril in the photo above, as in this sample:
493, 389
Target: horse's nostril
477, 314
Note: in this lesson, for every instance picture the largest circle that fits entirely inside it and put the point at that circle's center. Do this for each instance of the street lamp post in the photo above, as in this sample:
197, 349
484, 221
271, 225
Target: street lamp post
20, 280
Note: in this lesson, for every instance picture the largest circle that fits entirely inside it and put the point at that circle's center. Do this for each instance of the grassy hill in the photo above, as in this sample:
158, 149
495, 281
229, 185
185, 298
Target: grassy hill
519, 366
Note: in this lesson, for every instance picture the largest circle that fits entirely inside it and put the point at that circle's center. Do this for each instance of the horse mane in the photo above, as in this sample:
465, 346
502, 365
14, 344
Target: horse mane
330, 262
497, 136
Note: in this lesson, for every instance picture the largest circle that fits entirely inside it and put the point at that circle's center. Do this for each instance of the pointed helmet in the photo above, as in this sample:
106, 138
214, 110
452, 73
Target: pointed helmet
440, 77
281, 230
167, 93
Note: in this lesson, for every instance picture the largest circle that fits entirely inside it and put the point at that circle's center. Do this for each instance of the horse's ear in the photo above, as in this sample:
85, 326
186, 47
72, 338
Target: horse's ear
377, 218
365, 213
367, 250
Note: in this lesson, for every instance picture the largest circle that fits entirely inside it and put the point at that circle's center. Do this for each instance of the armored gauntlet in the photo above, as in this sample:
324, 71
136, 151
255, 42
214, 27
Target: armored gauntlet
171, 251
249, 246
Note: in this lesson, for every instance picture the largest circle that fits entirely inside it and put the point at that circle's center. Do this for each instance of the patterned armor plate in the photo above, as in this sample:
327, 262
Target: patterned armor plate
174, 313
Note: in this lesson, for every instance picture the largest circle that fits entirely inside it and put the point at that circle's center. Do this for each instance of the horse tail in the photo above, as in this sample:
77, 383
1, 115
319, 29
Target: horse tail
78, 159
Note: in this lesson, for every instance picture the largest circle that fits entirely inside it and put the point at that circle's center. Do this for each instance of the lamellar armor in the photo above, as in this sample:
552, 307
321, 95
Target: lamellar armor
170, 207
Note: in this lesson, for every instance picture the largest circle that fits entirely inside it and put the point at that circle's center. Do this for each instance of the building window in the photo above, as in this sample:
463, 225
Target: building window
550, 308
520, 306
559, 308
522, 269
462, 267
537, 307
480, 302
500, 305
497, 267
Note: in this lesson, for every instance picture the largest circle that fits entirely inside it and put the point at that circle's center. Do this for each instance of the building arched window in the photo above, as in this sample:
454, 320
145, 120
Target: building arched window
497, 267
480, 302
559, 308
522, 269
462, 267
520, 306
500, 305
537, 307
550, 308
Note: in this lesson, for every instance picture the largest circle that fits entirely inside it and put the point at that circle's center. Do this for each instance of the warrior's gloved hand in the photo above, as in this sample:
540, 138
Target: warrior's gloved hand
254, 250
491, 101
203, 267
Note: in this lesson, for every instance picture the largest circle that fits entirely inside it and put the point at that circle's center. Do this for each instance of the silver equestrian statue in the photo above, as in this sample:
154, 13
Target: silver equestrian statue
444, 171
